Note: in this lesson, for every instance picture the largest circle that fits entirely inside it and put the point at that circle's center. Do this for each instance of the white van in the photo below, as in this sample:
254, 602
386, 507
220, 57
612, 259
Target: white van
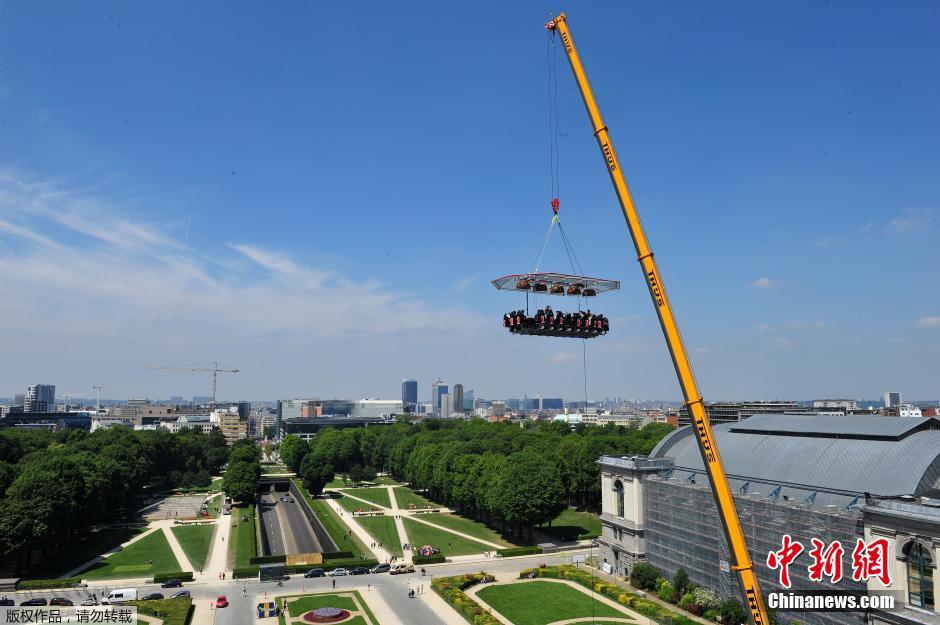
400, 568
120, 596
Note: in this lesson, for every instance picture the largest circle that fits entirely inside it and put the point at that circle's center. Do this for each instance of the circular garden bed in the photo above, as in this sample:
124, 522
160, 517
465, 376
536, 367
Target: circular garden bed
326, 615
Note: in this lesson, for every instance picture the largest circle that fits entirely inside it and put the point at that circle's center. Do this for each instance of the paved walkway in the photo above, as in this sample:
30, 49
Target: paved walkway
381, 554
397, 512
218, 552
181, 558
633, 616
400, 525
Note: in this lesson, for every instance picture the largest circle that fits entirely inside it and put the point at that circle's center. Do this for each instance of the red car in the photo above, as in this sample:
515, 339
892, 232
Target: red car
221, 602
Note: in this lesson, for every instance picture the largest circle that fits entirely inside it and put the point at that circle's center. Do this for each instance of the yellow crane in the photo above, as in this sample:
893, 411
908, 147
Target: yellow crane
706, 442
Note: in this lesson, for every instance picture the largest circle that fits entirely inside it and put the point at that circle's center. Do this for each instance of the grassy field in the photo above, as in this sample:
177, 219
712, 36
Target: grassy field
334, 525
132, 560
172, 611
405, 497
81, 551
243, 542
468, 526
571, 523
350, 504
382, 529
195, 541
351, 601
420, 534
378, 496
540, 603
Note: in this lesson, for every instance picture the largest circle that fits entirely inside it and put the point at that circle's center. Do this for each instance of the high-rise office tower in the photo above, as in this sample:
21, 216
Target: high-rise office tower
892, 399
468, 401
437, 389
40, 398
409, 394
447, 405
457, 398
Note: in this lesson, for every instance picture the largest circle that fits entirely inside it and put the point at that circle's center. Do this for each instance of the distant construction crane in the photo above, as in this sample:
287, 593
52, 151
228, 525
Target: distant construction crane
215, 370
97, 388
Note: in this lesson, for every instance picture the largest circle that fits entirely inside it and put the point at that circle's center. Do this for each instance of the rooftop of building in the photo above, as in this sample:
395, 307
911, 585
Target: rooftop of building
836, 457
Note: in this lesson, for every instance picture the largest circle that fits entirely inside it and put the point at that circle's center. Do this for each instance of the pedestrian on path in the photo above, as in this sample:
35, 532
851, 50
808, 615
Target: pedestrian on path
334, 583
244, 592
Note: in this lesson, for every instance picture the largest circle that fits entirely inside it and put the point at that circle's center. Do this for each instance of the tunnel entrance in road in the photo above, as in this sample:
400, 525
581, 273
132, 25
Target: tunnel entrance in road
287, 523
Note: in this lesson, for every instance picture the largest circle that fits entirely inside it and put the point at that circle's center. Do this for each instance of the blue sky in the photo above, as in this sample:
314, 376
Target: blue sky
319, 195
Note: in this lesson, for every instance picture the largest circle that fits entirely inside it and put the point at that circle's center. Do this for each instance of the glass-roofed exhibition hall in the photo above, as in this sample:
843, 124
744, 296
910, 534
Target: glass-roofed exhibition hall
833, 478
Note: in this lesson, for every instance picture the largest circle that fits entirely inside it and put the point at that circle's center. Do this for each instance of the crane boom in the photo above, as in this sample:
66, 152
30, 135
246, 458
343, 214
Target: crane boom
215, 370
680, 359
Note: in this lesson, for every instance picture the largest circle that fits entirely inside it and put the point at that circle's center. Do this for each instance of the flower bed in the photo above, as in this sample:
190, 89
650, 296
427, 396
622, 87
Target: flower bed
451, 589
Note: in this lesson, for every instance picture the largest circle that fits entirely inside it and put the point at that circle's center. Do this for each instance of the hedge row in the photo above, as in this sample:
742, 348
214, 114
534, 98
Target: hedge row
37, 584
437, 558
519, 551
183, 576
266, 559
451, 589
611, 591
328, 555
348, 563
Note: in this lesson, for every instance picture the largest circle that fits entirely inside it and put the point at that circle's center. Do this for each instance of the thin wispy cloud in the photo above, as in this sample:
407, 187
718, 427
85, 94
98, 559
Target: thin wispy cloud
929, 322
94, 280
912, 221
763, 283
562, 358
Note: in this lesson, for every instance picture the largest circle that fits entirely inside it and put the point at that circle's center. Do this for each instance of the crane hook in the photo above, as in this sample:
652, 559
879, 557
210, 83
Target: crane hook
555, 204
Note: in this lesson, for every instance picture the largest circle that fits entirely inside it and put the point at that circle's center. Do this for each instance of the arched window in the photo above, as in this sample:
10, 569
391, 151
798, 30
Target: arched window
618, 489
919, 575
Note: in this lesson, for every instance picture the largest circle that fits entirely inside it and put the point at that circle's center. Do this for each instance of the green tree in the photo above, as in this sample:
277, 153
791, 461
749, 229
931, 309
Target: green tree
644, 575
316, 473
530, 490
241, 480
292, 450
732, 613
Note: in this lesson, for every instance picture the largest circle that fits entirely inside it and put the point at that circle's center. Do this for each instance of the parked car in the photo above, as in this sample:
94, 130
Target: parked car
60, 601
359, 570
221, 602
314, 573
172, 583
120, 596
90, 600
381, 568
35, 601
7, 602
182, 594
154, 596
340, 572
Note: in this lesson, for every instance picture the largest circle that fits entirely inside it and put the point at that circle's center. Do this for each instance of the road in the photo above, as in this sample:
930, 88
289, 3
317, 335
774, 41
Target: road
243, 595
286, 525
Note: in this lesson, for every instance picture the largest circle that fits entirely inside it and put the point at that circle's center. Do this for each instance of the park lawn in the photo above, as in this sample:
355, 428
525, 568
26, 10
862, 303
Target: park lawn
195, 541
243, 541
82, 550
467, 526
420, 534
378, 496
588, 525
131, 561
386, 480
334, 525
405, 497
350, 504
540, 603
383, 530
172, 611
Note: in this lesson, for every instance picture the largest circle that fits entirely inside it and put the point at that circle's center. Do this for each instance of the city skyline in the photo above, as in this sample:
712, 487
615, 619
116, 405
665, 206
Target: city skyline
277, 231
